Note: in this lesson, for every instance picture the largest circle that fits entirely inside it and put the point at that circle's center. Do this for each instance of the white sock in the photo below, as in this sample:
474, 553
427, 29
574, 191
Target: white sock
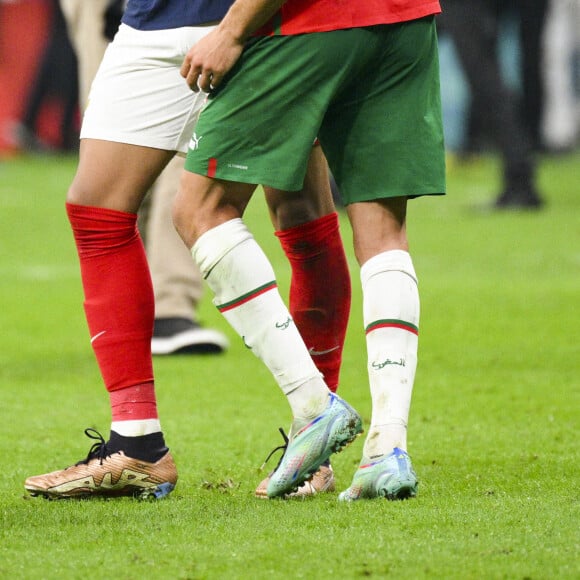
391, 319
136, 428
243, 282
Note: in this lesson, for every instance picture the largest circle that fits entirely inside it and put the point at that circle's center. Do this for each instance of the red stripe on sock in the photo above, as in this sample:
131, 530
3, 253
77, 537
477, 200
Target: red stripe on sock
247, 297
392, 324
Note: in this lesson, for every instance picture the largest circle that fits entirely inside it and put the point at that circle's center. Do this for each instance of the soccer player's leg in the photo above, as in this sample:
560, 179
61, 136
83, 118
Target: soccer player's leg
391, 321
119, 307
208, 217
307, 226
235, 145
399, 81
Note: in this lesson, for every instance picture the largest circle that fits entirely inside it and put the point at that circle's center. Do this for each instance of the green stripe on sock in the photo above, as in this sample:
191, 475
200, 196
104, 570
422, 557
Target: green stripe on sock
392, 323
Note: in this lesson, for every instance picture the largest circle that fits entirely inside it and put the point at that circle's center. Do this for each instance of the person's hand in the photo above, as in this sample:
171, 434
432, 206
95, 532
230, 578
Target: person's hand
208, 60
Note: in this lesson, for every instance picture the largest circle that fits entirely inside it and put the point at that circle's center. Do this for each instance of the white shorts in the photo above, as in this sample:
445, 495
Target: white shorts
138, 96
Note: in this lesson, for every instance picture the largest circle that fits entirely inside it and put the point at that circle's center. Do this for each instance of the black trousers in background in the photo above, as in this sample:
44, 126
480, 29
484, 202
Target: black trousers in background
473, 27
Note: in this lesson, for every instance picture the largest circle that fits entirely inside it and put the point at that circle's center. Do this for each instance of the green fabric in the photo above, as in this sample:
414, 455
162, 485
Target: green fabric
370, 94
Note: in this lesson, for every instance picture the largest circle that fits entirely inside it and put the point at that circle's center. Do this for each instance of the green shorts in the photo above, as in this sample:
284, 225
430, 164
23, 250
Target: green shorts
371, 95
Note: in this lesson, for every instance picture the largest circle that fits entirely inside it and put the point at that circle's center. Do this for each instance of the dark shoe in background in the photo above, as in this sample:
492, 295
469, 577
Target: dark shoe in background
184, 336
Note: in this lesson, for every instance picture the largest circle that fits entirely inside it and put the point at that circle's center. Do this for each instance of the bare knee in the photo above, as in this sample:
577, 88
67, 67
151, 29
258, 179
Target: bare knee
378, 226
203, 203
115, 175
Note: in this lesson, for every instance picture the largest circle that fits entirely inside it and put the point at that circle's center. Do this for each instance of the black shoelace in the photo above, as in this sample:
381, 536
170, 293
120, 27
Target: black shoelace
284, 447
98, 450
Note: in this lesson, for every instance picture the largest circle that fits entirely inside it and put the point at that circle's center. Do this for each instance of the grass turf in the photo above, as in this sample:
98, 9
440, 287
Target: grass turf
492, 434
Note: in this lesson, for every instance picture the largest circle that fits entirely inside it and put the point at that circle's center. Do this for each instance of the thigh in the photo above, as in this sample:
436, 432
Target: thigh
115, 175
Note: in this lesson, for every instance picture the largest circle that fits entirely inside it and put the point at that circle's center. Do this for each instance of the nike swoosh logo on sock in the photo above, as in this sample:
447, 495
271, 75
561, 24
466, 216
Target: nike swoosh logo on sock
314, 352
93, 338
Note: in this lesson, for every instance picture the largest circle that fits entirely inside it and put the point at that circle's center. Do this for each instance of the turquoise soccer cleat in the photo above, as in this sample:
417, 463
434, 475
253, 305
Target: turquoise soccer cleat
392, 477
313, 444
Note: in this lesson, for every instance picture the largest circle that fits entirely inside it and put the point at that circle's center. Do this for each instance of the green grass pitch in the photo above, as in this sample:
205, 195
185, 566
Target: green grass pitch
493, 430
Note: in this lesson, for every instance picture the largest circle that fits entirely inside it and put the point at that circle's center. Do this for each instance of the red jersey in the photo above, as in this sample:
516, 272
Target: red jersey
303, 16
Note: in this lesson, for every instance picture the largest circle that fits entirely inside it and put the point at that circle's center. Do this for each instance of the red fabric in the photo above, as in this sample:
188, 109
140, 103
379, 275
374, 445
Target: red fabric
119, 303
211, 167
304, 16
134, 403
320, 291
24, 28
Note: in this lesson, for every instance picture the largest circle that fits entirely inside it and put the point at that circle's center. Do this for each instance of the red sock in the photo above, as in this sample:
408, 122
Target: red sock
119, 302
320, 290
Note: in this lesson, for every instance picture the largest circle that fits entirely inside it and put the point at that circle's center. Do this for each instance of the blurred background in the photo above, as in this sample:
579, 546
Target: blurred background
535, 44
39, 110
537, 47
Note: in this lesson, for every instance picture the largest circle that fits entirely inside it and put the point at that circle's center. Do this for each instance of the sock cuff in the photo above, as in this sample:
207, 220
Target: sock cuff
103, 214
389, 261
98, 230
315, 231
214, 244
